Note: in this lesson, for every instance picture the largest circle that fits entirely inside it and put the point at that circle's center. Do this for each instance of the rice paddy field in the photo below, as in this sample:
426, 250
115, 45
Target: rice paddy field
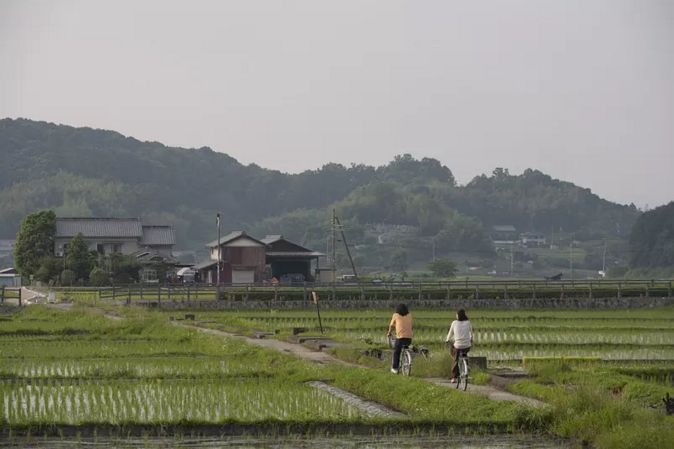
504, 337
76, 373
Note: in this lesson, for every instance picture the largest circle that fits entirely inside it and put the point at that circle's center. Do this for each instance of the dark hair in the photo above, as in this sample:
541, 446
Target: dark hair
461, 314
401, 310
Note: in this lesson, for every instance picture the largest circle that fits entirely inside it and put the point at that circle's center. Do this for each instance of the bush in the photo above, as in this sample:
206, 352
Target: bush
98, 277
67, 277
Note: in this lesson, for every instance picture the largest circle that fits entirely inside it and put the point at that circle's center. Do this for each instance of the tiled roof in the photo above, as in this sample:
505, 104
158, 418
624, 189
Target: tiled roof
271, 239
99, 227
224, 239
158, 235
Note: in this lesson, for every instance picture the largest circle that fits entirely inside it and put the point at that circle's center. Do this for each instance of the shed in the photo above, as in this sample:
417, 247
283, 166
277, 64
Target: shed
289, 262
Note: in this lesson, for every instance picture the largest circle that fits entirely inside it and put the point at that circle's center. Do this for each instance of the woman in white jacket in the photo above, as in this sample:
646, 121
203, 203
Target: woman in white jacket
461, 335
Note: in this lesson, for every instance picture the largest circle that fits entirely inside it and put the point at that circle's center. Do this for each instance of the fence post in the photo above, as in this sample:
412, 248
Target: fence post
533, 291
159, 293
419, 295
128, 298
2, 295
390, 292
188, 293
505, 291
20, 299
669, 290
477, 291
113, 293
561, 293
591, 290
449, 295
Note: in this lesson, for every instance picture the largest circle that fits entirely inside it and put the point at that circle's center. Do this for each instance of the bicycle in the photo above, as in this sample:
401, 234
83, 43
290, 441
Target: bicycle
405, 364
462, 361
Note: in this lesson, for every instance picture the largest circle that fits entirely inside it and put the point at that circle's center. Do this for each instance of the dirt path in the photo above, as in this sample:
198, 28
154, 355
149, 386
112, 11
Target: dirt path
491, 392
278, 345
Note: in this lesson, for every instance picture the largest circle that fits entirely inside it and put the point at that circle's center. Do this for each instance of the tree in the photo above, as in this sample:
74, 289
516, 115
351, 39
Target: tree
442, 267
98, 277
67, 277
399, 260
125, 269
78, 257
49, 270
34, 241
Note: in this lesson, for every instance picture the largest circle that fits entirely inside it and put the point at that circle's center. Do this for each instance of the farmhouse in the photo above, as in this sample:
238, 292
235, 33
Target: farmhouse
115, 235
504, 235
247, 260
242, 256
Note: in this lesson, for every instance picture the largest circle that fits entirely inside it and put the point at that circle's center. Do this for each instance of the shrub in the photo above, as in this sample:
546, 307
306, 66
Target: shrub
98, 277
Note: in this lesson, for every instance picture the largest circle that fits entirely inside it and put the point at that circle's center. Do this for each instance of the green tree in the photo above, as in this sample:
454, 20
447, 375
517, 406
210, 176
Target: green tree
98, 277
78, 258
125, 269
67, 277
34, 241
49, 270
442, 267
399, 260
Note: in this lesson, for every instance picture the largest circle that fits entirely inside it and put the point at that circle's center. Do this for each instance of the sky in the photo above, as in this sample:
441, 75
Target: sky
582, 90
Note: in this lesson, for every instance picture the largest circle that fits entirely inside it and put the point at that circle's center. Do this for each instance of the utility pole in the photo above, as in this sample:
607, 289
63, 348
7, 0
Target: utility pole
603, 259
334, 246
219, 257
512, 258
571, 257
346, 246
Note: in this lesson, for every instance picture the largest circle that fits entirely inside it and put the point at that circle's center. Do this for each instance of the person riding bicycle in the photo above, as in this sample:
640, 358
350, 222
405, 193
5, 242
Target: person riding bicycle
401, 321
461, 334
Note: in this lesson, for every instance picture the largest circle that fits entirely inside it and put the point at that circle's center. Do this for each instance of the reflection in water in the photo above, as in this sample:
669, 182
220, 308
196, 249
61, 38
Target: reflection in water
299, 442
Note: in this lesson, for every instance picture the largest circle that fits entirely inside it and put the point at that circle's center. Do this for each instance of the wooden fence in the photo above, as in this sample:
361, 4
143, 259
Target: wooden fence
506, 289
10, 293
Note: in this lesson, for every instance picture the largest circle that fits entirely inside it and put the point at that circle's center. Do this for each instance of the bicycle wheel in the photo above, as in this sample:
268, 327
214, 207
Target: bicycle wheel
406, 362
463, 368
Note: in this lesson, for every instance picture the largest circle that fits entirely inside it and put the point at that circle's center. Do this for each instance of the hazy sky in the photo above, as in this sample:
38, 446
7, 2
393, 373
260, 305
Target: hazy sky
580, 89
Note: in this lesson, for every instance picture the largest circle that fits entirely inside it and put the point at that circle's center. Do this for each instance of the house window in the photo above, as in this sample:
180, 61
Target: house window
100, 248
117, 248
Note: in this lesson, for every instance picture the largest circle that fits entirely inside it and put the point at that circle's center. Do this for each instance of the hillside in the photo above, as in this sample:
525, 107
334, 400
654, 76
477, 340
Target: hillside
88, 172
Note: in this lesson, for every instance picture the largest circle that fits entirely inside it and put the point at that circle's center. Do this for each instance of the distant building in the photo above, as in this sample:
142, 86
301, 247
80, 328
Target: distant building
115, 235
9, 277
288, 261
242, 256
247, 260
533, 239
504, 235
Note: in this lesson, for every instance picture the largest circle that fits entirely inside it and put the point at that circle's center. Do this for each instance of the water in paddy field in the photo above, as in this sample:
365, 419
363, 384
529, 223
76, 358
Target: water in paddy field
299, 442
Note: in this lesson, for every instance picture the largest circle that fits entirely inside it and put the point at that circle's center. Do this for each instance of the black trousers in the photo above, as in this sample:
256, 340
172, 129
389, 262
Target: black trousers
455, 356
397, 349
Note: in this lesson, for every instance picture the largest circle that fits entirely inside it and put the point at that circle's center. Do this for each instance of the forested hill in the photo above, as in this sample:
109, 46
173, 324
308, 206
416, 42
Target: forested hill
88, 172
